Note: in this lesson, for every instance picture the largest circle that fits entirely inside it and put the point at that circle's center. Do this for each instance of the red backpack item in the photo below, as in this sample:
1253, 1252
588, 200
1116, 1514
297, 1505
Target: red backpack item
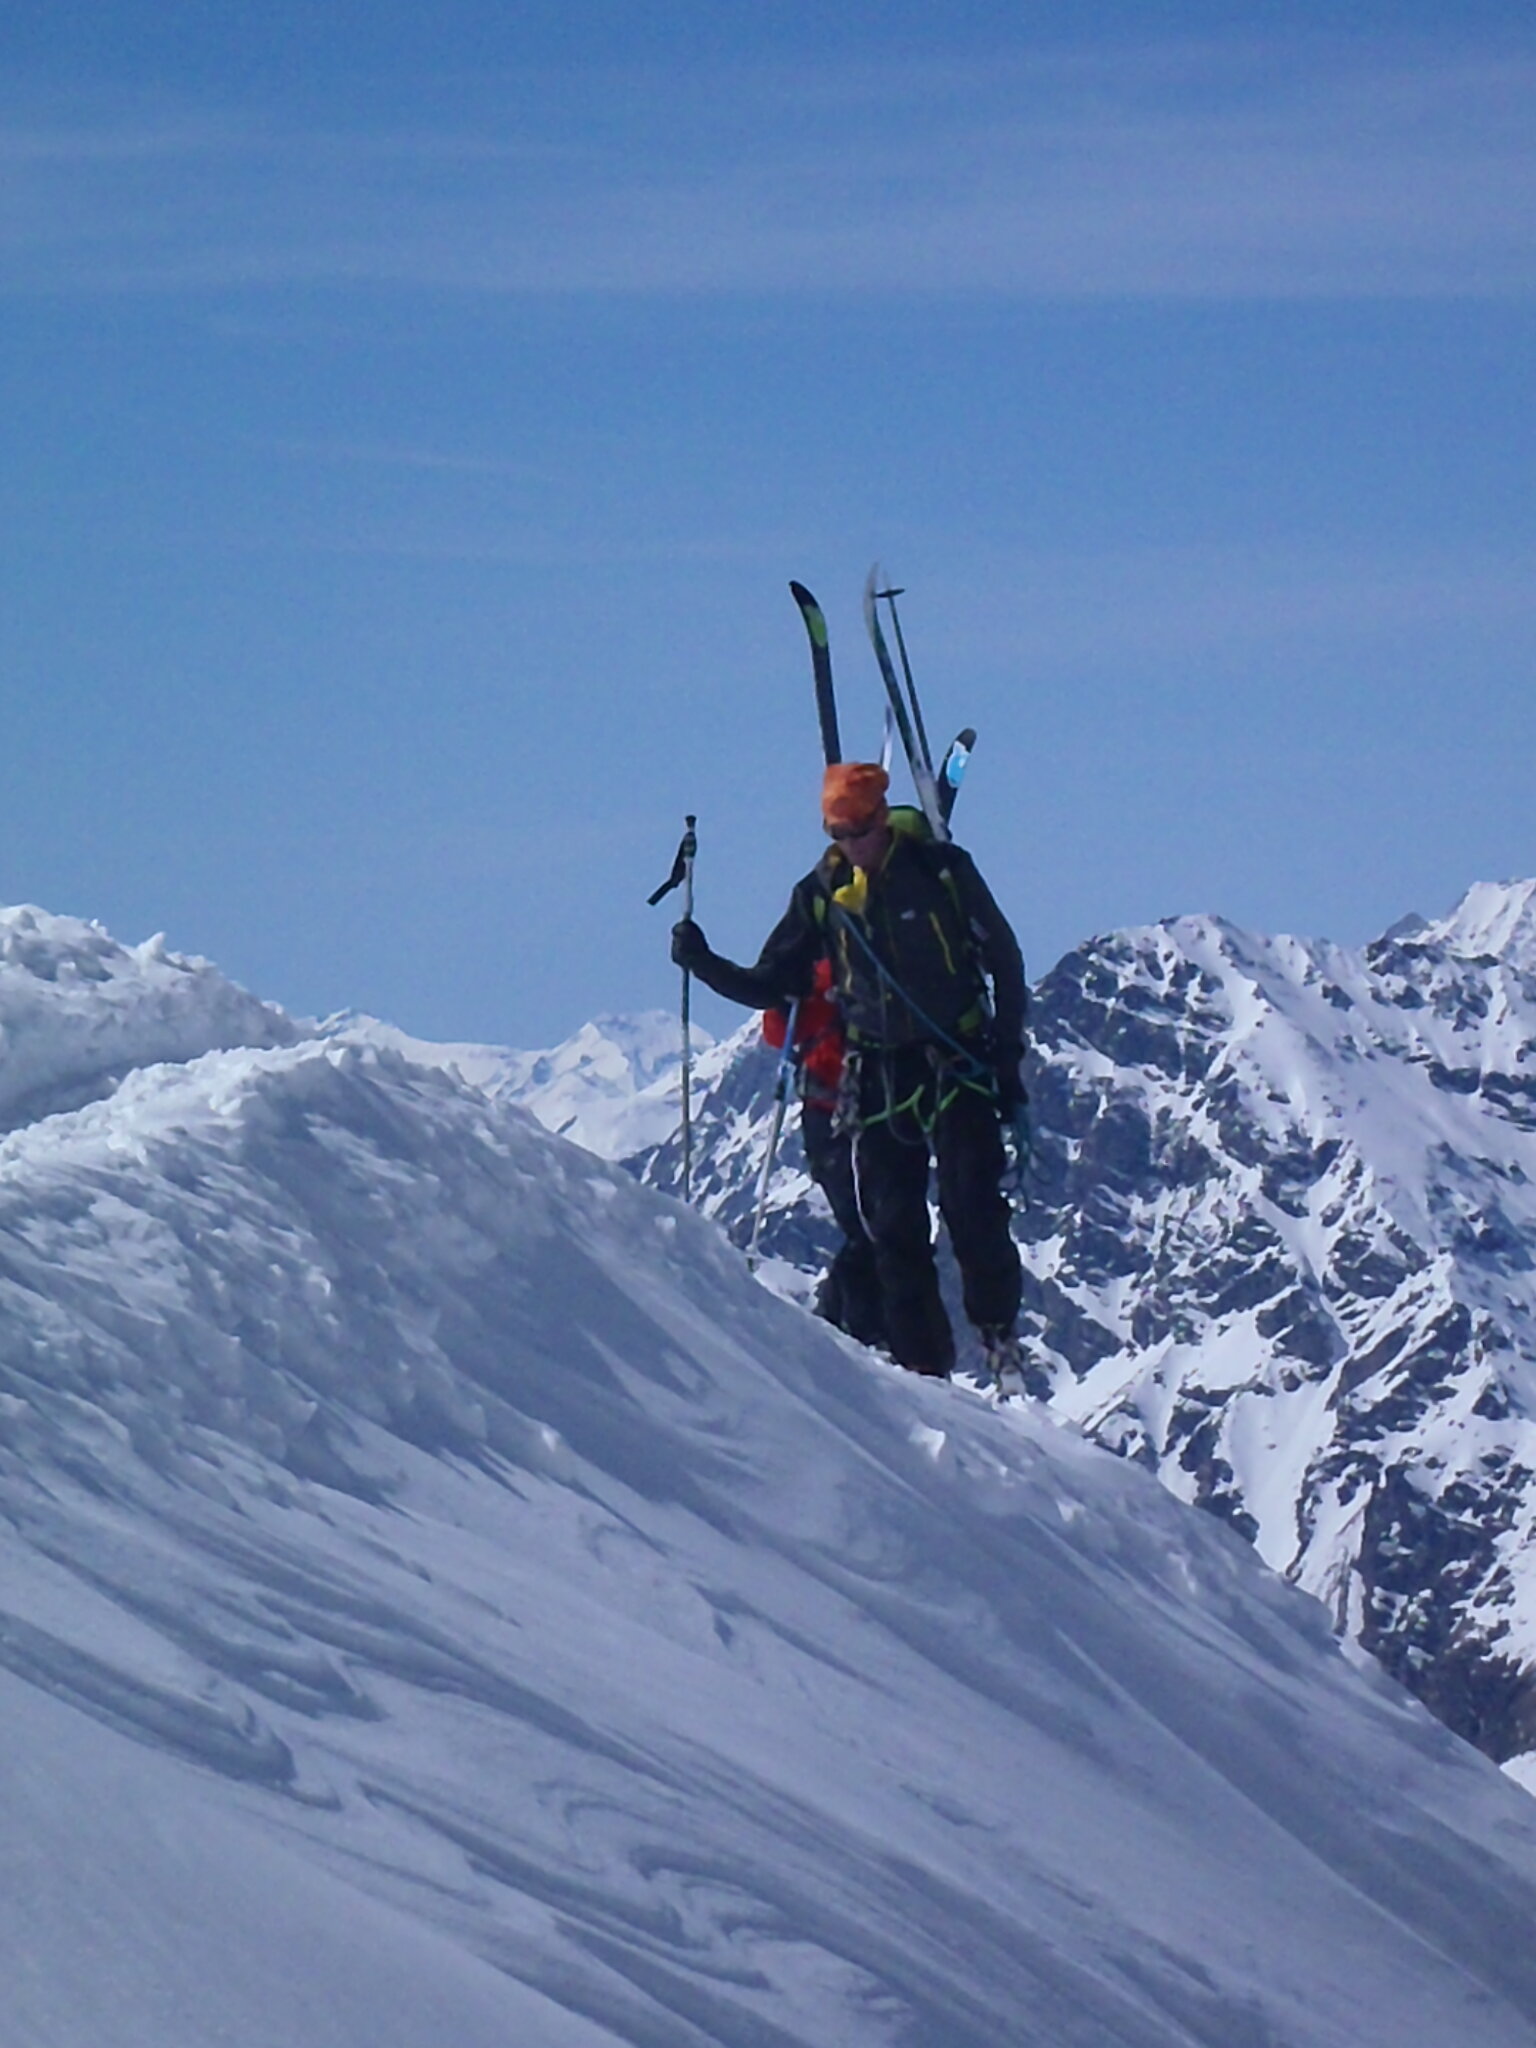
818, 1034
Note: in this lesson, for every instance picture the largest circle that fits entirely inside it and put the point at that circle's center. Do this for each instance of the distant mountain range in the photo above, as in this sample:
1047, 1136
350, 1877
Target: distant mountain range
1281, 1249
613, 1087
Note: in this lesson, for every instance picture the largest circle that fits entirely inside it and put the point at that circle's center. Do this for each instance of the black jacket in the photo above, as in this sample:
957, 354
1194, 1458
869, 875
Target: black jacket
911, 965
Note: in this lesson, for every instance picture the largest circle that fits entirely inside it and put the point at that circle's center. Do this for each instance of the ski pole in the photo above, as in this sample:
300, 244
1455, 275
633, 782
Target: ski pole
916, 753
780, 1098
682, 877
890, 597
689, 848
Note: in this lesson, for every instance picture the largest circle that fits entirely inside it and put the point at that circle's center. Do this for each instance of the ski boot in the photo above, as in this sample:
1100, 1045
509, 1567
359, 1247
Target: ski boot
1005, 1361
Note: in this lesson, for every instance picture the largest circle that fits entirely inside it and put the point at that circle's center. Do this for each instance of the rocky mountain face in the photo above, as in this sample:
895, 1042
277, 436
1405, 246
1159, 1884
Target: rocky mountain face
1280, 1244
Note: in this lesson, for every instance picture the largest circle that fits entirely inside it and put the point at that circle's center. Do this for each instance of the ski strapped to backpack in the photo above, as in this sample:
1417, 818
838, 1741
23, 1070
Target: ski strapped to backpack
956, 761
917, 759
890, 596
946, 779
821, 668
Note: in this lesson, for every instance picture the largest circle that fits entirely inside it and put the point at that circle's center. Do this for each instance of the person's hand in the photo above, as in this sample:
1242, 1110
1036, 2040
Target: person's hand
689, 945
1013, 1108
1008, 1074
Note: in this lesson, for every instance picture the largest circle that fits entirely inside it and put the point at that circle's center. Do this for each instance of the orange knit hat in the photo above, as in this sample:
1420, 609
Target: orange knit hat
853, 793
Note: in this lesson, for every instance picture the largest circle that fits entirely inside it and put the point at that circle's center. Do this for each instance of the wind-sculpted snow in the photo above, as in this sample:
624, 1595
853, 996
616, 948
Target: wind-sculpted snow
78, 1011
1281, 1249
446, 1522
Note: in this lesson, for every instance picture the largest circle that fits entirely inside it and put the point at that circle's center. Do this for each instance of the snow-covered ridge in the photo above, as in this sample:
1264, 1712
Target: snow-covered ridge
78, 1011
1493, 920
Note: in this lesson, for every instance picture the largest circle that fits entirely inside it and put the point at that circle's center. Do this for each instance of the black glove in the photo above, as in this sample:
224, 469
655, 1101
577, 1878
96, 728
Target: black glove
689, 945
1013, 1111
1007, 1073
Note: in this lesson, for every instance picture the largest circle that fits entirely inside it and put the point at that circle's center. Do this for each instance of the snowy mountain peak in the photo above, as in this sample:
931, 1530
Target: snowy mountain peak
649, 1043
1494, 920
78, 1011
612, 1086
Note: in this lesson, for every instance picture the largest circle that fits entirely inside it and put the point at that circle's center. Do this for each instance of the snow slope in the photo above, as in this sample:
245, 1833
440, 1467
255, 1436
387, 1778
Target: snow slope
440, 1586
141, 1906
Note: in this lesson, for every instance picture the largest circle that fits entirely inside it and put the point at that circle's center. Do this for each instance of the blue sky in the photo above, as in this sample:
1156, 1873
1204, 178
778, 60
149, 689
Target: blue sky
414, 416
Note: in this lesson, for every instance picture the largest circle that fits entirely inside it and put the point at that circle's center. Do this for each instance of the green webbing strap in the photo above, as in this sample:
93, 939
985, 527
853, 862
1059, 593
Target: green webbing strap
895, 1109
941, 1101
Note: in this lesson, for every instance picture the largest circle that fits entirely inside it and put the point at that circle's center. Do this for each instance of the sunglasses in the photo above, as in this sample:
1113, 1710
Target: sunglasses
864, 831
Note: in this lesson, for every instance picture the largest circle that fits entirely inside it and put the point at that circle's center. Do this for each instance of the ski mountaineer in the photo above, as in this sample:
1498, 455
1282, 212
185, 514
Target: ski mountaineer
930, 982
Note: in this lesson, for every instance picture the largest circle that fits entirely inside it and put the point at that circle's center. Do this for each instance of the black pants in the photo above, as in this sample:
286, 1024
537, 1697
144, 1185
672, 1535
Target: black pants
849, 1295
914, 1108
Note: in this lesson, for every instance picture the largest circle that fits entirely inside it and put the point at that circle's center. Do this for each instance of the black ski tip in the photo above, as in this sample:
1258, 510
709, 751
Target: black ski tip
809, 607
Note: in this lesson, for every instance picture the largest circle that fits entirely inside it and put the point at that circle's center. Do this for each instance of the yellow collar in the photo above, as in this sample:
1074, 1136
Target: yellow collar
854, 894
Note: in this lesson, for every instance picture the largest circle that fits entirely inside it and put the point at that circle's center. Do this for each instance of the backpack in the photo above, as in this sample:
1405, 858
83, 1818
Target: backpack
819, 1038
906, 967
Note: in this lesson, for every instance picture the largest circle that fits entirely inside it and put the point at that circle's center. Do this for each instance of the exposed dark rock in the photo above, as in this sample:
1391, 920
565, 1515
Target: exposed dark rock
1303, 1329
1194, 1434
1369, 1268
1077, 1338
1423, 1559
